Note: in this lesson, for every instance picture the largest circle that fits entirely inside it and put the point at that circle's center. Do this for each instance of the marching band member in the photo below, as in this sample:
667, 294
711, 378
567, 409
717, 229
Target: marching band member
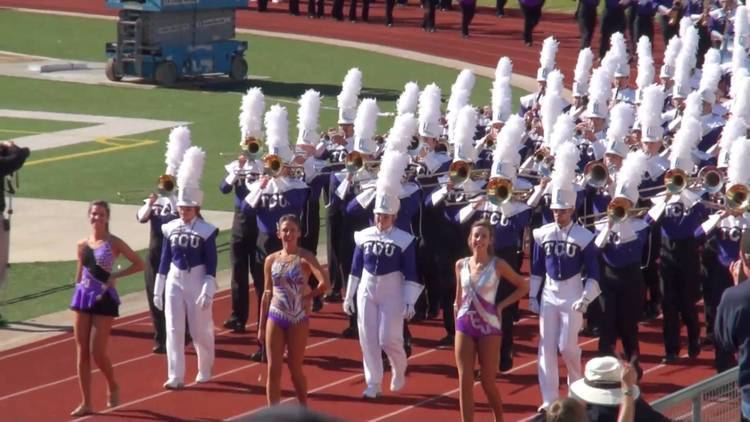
309, 149
711, 124
562, 251
667, 70
621, 239
500, 111
241, 173
683, 76
285, 307
650, 120
508, 219
680, 212
547, 59
187, 272
432, 160
581, 78
96, 303
620, 91
455, 188
384, 278
347, 183
341, 144
157, 211
645, 68
724, 229
593, 127
276, 193
478, 316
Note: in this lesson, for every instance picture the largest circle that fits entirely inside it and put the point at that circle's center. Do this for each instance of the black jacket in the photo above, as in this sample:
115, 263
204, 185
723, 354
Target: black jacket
11, 159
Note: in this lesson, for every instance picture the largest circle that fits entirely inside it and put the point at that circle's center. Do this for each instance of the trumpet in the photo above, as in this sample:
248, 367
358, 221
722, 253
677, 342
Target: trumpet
596, 174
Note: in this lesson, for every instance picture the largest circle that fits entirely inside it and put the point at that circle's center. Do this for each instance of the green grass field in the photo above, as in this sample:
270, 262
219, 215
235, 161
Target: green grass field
288, 69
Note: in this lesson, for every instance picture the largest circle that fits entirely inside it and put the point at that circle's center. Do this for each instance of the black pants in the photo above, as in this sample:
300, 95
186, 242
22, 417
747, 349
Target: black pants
644, 25
446, 5
389, 5
315, 8
613, 20
242, 256
586, 17
428, 21
468, 10
531, 16
262, 5
513, 258
679, 271
149, 276
266, 244
337, 9
500, 7
622, 291
334, 225
311, 230
294, 7
651, 268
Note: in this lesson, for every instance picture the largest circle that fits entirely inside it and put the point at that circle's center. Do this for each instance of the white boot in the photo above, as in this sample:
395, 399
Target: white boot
371, 392
398, 380
201, 378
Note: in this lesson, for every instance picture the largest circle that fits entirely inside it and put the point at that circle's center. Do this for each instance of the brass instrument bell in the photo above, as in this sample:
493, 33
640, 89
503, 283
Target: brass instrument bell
737, 197
166, 183
499, 190
618, 210
711, 179
459, 171
272, 165
354, 161
596, 174
251, 145
675, 180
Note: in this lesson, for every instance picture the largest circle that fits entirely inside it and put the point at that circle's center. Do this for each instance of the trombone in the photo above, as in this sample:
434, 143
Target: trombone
355, 162
250, 146
618, 210
500, 191
273, 166
164, 187
596, 174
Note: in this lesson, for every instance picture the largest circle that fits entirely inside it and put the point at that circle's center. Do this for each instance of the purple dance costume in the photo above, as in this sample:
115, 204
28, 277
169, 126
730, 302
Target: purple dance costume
90, 295
287, 307
477, 317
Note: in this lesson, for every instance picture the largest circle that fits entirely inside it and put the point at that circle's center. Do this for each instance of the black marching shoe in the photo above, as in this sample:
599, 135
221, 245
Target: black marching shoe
349, 332
669, 358
258, 355
694, 350
159, 349
506, 363
333, 297
317, 304
446, 341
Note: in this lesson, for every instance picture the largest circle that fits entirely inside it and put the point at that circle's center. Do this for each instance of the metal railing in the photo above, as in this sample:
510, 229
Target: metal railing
714, 399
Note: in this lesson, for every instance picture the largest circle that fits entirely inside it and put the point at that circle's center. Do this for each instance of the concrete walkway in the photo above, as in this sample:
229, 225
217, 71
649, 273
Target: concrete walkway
104, 127
46, 230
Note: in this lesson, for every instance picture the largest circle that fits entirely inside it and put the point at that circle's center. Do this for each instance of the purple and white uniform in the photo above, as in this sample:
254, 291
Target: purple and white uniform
90, 295
477, 317
287, 307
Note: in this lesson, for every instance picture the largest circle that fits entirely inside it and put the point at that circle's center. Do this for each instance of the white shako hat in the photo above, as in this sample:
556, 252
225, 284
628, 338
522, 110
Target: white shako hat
388, 185
408, 100
649, 114
621, 119
563, 192
502, 95
365, 126
506, 158
670, 58
308, 116
547, 58
582, 73
178, 143
189, 178
600, 92
349, 96
645, 67
630, 176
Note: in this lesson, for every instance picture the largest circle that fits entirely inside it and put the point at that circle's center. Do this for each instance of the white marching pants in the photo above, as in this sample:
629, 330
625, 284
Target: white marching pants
380, 319
182, 290
559, 325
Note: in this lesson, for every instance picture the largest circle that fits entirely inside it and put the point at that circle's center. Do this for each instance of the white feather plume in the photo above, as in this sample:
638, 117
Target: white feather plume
738, 170
251, 114
350, 89
646, 72
400, 135
429, 105
461, 90
407, 101
713, 56
548, 54
392, 166
461, 99
179, 142
191, 169
741, 103
670, 53
601, 86
693, 105
308, 114
502, 98
685, 23
621, 119
466, 124
632, 170
562, 131
566, 163
504, 68
366, 122
552, 103
738, 75
710, 77
509, 140
685, 141
649, 113
582, 73
643, 49
741, 30
735, 128
690, 46
616, 55
277, 128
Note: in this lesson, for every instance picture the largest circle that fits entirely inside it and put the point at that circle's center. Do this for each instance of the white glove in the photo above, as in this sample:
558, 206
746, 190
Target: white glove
231, 178
207, 292
534, 305
590, 292
581, 305
351, 289
409, 311
159, 285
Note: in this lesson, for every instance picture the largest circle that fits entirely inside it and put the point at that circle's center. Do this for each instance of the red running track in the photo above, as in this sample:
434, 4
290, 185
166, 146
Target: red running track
39, 382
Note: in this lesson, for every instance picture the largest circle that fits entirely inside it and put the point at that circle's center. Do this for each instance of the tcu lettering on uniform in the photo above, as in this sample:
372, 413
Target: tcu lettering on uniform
731, 233
614, 238
184, 240
274, 200
496, 219
560, 249
677, 210
455, 196
379, 248
162, 210
338, 156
